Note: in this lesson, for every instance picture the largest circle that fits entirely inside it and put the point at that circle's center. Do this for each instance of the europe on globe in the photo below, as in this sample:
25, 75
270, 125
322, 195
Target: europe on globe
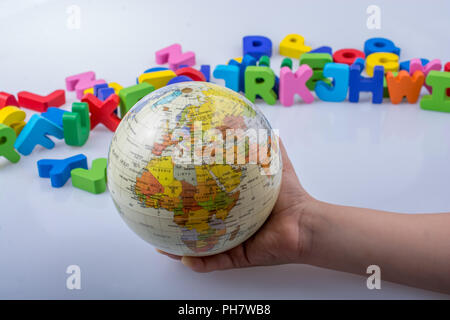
194, 168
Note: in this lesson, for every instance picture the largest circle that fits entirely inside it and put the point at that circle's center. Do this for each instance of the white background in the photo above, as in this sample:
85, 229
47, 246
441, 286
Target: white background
379, 156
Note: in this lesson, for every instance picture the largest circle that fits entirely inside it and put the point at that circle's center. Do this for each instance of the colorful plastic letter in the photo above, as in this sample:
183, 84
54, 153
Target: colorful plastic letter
206, 70
260, 81
264, 61
380, 45
58, 170
287, 62
438, 100
257, 46
229, 73
317, 62
295, 83
404, 65
99, 86
416, 64
117, 87
247, 60
153, 69
358, 83
92, 180
338, 91
89, 90
157, 79
77, 124
41, 103
293, 46
130, 95
35, 132
323, 49
103, 111
191, 73
55, 115
80, 82
179, 79
72, 81
360, 62
174, 56
7, 99
347, 56
404, 85
13, 117
104, 93
386, 59
7, 139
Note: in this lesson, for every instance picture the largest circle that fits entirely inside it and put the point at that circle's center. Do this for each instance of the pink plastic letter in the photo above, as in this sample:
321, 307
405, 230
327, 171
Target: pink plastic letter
416, 64
291, 84
81, 82
71, 82
173, 55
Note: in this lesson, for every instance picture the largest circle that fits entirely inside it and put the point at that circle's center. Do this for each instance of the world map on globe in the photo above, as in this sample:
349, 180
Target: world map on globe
194, 168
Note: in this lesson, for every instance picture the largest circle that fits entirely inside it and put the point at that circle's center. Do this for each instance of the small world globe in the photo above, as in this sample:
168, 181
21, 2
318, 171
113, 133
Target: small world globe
194, 168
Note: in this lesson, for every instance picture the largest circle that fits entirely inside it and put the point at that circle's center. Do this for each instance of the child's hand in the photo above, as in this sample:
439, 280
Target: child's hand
282, 239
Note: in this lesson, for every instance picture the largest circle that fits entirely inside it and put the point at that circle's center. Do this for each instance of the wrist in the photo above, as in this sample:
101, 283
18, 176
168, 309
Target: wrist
311, 219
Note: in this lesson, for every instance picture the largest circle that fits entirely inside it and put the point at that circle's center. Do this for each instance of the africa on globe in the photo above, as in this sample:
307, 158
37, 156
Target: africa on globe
194, 168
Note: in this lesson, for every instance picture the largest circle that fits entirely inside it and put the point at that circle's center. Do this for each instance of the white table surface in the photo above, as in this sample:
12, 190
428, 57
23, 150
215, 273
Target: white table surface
379, 156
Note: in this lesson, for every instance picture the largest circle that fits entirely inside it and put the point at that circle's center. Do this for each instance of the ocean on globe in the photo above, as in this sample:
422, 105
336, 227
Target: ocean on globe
194, 168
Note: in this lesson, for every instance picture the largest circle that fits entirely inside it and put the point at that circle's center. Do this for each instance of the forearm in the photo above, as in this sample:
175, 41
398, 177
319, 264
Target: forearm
409, 249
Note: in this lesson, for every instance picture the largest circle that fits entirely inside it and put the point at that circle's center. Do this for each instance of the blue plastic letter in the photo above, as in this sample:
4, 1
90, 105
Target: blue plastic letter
58, 170
338, 92
257, 46
323, 49
35, 132
230, 73
380, 45
358, 83
247, 60
55, 115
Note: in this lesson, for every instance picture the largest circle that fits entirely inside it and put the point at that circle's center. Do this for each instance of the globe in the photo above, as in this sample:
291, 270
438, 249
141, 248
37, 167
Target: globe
194, 168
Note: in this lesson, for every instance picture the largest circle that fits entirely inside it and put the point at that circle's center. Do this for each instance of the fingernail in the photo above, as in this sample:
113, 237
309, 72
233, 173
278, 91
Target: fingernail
188, 261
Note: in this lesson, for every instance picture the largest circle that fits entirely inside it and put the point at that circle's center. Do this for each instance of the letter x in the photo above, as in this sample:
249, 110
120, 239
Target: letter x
103, 111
